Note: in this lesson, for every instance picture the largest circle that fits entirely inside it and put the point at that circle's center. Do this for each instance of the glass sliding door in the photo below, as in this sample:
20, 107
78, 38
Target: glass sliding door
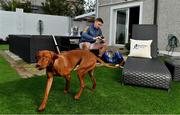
122, 18
122, 21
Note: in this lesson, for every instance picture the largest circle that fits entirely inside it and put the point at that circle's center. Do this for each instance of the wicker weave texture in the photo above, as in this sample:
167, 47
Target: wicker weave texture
146, 72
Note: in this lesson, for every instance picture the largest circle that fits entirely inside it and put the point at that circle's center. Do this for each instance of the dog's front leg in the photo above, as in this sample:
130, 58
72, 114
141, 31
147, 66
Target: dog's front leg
48, 87
81, 75
68, 78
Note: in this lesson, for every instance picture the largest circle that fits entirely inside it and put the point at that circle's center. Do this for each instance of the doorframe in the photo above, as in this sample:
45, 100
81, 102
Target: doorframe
113, 16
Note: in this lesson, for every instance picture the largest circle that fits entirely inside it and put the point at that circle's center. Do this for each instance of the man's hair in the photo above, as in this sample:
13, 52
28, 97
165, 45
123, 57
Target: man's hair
99, 20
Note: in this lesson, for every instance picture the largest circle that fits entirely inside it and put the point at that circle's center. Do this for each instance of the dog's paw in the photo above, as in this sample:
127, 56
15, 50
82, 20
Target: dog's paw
41, 108
65, 91
76, 97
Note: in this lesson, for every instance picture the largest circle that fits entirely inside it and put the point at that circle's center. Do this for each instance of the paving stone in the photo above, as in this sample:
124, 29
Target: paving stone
24, 69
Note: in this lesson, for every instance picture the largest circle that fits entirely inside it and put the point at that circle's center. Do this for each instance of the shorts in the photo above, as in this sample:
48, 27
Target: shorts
89, 45
95, 45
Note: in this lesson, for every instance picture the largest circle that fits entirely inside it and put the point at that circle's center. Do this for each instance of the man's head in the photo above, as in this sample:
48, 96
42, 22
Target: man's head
98, 23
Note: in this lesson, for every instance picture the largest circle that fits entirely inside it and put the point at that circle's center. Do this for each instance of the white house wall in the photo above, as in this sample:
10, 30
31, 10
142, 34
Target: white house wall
56, 25
148, 12
104, 13
168, 21
27, 23
8, 24
168, 17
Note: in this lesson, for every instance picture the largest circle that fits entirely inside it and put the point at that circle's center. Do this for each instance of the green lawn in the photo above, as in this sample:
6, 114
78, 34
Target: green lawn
19, 95
3, 47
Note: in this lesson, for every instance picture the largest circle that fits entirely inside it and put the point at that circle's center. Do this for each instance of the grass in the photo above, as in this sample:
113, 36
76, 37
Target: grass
4, 46
19, 95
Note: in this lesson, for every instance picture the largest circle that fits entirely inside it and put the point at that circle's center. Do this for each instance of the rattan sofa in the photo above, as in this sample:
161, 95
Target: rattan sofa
26, 46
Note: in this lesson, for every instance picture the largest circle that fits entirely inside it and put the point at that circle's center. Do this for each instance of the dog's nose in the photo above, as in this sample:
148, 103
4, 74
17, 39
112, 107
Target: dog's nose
37, 65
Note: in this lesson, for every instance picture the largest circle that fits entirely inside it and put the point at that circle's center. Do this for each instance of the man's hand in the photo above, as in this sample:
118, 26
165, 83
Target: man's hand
96, 38
99, 37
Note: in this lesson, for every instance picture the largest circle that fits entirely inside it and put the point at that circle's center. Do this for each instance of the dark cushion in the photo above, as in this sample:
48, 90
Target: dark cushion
146, 72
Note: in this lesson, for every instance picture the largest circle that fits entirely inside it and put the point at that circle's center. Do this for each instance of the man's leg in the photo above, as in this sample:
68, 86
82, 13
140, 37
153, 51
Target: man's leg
102, 48
84, 45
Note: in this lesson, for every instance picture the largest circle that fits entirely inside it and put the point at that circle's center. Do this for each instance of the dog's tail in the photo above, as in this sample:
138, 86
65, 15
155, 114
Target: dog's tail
109, 65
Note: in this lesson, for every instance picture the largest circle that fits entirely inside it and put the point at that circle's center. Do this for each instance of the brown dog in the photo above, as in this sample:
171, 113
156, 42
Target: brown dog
62, 64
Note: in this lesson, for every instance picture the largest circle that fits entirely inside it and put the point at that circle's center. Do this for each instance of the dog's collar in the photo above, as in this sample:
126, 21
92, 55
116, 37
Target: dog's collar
51, 64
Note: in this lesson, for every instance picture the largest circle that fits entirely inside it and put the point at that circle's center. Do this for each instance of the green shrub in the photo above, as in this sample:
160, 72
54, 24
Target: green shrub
13, 4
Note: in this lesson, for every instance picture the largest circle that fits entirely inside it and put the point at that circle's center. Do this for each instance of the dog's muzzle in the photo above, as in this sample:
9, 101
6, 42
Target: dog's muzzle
39, 67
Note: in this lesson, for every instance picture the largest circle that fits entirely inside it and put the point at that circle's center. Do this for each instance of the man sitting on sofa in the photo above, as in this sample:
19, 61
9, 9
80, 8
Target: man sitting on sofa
92, 38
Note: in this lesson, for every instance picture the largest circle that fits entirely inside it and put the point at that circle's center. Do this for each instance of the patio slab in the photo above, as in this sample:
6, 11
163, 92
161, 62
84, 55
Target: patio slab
24, 69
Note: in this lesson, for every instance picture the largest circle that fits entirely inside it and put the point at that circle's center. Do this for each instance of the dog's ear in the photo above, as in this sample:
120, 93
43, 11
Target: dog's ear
54, 55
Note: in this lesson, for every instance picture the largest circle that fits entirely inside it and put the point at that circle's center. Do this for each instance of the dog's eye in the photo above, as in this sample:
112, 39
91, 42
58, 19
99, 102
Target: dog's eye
45, 58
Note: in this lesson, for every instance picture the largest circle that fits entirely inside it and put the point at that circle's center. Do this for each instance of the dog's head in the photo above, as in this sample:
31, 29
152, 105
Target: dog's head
44, 58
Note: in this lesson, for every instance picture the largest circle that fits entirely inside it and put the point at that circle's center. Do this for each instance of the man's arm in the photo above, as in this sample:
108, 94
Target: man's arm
86, 36
100, 33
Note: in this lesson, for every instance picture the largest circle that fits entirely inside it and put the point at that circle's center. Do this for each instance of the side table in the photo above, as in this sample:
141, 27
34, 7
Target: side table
173, 65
